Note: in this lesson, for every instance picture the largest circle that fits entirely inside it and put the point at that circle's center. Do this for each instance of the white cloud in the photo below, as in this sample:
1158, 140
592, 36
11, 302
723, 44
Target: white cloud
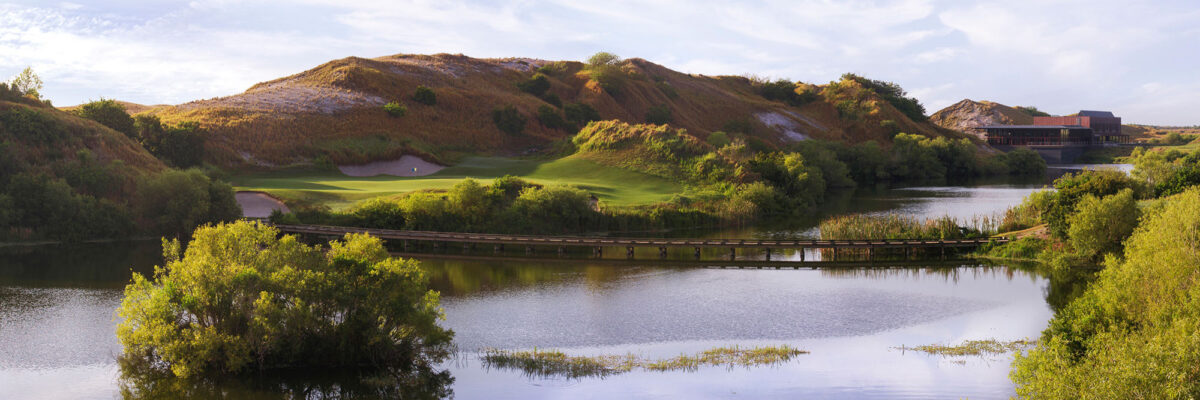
1055, 54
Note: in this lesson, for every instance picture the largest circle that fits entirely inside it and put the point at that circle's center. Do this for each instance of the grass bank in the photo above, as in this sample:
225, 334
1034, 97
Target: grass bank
614, 186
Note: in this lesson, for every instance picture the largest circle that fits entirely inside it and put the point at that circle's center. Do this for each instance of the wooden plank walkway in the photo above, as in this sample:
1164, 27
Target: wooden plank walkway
599, 242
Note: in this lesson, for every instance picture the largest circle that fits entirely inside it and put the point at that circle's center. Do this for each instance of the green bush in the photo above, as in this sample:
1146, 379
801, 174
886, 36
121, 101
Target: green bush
1100, 225
580, 114
108, 113
1023, 161
536, 85
1071, 188
553, 99
180, 145
550, 117
176, 202
605, 69
1132, 334
509, 120
1034, 111
659, 114
718, 139
242, 298
894, 94
30, 124
425, 95
395, 109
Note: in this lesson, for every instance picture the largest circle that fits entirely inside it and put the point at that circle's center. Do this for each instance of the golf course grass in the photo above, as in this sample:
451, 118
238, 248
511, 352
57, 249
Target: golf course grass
614, 186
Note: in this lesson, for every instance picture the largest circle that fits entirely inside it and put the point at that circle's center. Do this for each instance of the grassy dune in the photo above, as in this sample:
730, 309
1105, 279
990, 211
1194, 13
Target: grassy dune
612, 185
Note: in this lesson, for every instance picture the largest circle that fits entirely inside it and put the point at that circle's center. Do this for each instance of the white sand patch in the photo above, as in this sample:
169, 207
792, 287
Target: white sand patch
289, 97
405, 166
258, 204
788, 127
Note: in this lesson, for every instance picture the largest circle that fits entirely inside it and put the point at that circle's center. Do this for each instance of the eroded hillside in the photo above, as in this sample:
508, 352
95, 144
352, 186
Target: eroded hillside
336, 111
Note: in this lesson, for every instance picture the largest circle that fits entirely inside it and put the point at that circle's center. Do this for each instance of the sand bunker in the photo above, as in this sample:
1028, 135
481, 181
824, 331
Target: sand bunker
258, 204
405, 166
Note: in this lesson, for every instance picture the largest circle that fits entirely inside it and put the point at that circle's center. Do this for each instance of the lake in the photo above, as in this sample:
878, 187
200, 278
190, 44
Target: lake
57, 317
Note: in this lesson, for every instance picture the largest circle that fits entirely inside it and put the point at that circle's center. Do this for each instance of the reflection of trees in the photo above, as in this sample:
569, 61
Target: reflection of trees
462, 277
79, 265
145, 382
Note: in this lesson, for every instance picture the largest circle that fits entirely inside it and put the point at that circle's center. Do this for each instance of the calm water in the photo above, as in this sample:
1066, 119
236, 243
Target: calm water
57, 305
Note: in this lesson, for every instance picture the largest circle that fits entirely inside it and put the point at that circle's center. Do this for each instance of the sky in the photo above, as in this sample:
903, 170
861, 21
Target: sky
1140, 59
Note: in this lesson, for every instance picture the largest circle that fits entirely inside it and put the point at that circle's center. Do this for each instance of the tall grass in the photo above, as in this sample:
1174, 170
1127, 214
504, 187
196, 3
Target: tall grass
897, 226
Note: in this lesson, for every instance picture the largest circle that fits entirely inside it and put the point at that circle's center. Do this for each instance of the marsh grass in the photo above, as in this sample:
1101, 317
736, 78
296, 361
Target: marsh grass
973, 347
897, 226
547, 363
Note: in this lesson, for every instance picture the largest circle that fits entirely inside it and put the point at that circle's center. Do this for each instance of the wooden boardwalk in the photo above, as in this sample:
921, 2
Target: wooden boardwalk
598, 243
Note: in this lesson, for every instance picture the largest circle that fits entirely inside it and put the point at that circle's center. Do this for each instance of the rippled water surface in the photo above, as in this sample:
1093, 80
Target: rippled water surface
57, 321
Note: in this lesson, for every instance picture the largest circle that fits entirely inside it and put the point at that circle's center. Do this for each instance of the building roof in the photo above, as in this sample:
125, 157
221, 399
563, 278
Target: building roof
1031, 127
1090, 113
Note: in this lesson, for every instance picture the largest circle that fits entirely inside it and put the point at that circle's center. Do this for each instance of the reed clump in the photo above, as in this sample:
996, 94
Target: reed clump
974, 347
547, 363
897, 226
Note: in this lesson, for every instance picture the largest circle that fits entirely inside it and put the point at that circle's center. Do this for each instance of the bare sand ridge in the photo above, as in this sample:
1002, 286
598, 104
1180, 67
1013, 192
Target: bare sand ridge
405, 166
258, 204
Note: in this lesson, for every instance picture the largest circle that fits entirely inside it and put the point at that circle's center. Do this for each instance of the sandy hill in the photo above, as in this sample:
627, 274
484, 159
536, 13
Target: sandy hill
967, 114
335, 111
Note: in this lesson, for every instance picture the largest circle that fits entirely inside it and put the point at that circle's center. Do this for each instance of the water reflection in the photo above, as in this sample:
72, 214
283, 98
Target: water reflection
137, 382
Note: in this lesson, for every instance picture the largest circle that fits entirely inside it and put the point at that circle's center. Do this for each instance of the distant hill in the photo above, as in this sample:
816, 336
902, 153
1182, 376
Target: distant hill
131, 108
967, 114
335, 111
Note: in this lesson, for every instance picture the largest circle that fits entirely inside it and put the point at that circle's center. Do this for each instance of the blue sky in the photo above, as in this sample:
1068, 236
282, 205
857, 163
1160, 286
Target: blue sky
1139, 59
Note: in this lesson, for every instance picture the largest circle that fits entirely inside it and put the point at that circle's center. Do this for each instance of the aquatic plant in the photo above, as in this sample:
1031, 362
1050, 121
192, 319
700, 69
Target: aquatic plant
973, 347
546, 363
897, 226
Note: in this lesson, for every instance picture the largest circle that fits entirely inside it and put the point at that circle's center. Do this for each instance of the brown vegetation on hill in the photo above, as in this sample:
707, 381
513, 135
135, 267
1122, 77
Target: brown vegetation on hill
41, 137
335, 111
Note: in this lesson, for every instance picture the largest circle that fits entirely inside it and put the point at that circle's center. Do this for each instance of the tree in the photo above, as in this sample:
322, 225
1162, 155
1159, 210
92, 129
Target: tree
605, 69
1100, 225
176, 202
425, 95
27, 83
580, 114
509, 120
109, 113
659, 114
242, 298
1132, 333
550, 117
536, 85
395, 109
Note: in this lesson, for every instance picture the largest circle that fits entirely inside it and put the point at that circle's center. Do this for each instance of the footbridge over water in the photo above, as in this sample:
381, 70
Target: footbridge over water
598, 244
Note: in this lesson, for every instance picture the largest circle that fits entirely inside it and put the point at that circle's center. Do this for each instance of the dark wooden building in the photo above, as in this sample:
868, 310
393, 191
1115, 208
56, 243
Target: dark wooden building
1083, 129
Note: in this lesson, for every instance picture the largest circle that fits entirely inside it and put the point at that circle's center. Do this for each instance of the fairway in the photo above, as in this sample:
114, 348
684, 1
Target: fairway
614, 186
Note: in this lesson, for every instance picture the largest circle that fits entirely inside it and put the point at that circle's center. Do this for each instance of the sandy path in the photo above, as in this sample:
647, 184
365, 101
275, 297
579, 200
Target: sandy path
258, 204
405, 166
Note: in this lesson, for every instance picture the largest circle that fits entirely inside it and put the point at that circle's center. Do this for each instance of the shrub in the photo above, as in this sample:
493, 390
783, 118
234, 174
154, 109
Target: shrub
553, 99
605, 69
1100, 225
550, 117
176, 202
890, 127
31, 124
1132, 334
27, 83
242, 298
1073, 187
738, 126
1023, 161
108, 113
894, 94
659, 114
395, 109
425, 95
556, 208
508, 120
180, 145
580, 114
536, 85
718, 139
